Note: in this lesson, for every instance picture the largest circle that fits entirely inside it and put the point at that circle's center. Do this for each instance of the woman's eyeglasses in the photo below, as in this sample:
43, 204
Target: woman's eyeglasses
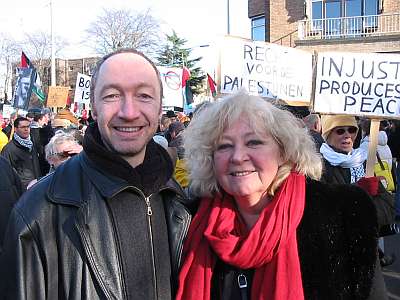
342, 130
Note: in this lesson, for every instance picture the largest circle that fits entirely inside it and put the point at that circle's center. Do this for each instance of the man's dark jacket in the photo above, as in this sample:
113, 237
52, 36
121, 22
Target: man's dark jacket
10, 191
24, 162
62, 242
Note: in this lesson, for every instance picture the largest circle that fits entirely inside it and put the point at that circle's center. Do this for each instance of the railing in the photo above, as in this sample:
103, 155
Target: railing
287, 40
349, 27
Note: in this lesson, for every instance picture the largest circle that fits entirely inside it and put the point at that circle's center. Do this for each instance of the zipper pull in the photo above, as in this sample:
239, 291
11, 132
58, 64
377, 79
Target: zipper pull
149, 210
242, 282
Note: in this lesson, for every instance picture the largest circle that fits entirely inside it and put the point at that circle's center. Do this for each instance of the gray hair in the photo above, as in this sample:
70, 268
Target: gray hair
59, 138
202, 135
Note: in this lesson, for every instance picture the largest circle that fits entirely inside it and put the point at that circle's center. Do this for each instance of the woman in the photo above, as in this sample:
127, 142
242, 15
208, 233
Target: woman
262, 230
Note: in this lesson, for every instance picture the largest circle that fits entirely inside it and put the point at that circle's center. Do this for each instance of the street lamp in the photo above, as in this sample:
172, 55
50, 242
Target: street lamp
227, 17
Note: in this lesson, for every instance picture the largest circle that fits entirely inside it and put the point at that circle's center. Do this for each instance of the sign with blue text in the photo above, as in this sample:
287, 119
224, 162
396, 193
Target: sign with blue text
365, 84
264, 69
82, 89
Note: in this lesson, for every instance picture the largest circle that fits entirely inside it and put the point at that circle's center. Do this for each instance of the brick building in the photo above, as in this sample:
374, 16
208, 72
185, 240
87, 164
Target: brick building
328, 25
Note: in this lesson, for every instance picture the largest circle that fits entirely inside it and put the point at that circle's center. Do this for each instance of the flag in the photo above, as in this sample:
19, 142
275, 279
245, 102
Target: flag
185, 76
37, 87
25, 62
212, 85
188, 94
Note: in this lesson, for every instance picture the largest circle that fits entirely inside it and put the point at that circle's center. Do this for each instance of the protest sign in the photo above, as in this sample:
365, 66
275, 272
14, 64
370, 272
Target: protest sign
23, 88
57, 96
366, 84
171, 79
82, 89
265, 69
7, 111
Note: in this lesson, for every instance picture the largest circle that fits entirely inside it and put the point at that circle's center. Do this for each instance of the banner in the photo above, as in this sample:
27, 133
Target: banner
264, 69
365, 84
171, 79
23, 88
57, 96
82, 89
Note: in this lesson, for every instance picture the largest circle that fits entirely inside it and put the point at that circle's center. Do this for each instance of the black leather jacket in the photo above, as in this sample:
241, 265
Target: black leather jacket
61, 243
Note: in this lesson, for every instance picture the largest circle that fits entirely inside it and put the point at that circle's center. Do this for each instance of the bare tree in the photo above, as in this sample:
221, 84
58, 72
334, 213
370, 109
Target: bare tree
122, 28
8, 55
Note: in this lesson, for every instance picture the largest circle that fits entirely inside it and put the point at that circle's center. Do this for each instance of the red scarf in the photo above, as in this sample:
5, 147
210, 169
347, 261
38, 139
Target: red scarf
270, 247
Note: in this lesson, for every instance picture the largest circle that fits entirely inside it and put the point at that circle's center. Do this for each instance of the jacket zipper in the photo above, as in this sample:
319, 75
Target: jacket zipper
149, 214
242, 283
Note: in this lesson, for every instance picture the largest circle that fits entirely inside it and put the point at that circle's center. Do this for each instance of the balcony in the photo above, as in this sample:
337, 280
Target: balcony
349, 27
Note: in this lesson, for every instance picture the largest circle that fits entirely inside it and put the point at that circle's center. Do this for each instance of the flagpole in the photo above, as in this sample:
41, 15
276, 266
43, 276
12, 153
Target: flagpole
53, 58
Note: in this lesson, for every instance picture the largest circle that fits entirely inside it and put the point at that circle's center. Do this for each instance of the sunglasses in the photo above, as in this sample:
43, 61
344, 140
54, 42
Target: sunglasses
342, 130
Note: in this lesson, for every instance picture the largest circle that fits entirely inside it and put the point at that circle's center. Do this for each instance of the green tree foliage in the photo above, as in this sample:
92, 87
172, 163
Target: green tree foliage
174, 54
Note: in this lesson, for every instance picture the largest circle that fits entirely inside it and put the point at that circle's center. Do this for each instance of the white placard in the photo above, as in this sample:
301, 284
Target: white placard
82, 89
7, 111
366, 84
265, 69
171, 79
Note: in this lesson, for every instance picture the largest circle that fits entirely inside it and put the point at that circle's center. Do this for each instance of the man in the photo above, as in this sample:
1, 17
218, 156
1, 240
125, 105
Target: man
107, 223
9, 129
21, 153
313, 123
37, 123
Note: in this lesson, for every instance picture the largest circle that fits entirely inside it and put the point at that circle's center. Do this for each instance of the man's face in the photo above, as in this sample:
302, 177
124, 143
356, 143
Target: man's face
127, 105
23, 129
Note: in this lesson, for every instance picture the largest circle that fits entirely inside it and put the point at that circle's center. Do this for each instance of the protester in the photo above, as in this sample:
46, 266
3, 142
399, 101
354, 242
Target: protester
108, 222
3, 140
61, 147
10, 191
394, 144
21, 153
175, 130
313, 123
345, 165
9, 129
39, 121
265, 228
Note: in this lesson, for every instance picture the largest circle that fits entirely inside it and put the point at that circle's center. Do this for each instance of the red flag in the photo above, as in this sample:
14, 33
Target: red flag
185, 76
212, 85
25, 62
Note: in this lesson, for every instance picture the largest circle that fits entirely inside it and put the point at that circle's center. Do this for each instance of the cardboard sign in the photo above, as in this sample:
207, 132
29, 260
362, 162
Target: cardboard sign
365, 84
57, 96
82, 89
7, 111
171, 79
265, 69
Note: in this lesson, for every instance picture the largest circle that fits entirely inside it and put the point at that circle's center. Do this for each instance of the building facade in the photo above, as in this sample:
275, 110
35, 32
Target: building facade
328, 25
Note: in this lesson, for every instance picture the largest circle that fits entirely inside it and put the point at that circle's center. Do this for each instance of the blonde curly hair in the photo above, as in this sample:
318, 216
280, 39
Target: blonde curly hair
202, 135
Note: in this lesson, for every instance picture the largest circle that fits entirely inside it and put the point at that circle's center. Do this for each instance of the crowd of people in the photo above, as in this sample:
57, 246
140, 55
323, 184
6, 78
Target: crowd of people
239, 200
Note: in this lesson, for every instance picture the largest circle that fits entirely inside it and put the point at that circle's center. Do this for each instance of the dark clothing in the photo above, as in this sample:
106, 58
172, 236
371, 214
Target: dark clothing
339, 175
39, 146
318, 139
24, 162
177, 142
100, 236
337, 248
10, 191
394, 141
7, 130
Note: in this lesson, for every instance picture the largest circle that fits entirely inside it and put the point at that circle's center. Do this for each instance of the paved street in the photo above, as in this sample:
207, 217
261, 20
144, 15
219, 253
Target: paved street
392, 273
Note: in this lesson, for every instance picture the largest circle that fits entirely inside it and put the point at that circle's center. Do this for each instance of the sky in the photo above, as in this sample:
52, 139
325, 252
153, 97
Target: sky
200, 22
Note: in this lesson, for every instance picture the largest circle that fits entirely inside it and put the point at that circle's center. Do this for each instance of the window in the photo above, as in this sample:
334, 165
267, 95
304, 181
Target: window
340, 17
258, 29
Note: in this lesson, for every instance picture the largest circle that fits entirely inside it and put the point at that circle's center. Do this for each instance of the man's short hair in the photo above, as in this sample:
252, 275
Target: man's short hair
19, 120
119, 51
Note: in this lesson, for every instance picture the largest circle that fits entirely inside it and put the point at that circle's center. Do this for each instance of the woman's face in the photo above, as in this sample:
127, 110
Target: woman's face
245, 163
342, 138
